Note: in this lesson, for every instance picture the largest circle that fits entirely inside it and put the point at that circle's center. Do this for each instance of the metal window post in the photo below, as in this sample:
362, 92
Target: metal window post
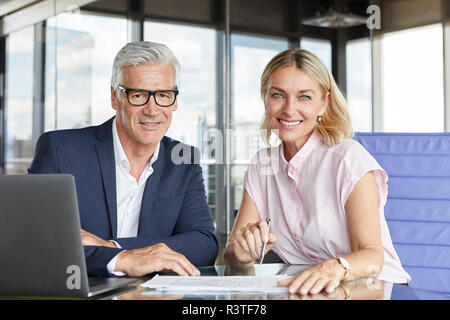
2, 103
38, 81
228, 119
377, 85
446, 46
135, 10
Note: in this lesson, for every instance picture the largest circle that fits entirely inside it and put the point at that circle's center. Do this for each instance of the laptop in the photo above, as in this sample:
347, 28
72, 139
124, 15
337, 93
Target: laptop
40, 240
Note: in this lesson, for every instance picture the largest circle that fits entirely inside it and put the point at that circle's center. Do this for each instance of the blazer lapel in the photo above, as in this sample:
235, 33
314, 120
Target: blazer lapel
105, 153
150, 190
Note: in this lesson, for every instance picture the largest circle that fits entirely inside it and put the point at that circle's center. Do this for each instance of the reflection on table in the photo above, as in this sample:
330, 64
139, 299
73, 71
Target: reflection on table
361, 289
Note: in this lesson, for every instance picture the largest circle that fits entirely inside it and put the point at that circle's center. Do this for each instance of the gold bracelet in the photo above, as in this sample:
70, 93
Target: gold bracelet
348, 294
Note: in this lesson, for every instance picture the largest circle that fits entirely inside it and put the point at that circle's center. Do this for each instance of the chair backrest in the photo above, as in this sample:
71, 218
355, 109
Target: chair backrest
418, 206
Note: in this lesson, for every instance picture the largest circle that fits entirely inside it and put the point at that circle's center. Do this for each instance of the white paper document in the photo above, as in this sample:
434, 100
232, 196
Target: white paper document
214, 283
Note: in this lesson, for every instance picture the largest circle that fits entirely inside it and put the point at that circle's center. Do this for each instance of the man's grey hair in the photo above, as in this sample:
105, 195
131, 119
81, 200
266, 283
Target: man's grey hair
141, 52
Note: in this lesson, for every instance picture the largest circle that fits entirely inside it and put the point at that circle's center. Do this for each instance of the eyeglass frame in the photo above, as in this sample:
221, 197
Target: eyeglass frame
150, 93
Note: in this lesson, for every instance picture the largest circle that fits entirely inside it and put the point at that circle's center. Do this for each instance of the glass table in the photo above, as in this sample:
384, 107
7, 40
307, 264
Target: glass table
361, 289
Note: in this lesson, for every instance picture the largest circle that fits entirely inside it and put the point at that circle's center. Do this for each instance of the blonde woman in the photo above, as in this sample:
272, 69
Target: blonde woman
324, 193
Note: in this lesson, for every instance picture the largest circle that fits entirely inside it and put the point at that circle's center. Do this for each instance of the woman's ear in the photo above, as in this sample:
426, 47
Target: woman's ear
327, 100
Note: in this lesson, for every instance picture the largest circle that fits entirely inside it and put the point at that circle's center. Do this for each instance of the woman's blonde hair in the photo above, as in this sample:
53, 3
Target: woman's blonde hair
335, 125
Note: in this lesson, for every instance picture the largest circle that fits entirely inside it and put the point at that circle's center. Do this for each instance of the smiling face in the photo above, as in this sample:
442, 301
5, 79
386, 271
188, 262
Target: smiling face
147, 124
293, 102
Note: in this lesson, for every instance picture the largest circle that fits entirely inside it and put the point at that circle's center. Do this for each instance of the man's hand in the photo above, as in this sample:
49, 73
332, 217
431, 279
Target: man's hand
89, 239
159, 257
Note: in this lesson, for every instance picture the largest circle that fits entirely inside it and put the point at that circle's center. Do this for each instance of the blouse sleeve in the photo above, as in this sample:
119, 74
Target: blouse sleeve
356, 163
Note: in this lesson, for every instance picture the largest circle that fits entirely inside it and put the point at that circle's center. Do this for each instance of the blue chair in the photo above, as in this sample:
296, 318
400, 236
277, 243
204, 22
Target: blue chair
418, 205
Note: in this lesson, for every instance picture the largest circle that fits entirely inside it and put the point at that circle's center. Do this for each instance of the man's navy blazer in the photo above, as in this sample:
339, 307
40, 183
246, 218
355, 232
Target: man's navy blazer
174, 209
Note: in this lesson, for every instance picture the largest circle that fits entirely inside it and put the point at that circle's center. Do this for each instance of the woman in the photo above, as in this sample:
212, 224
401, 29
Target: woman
323, 192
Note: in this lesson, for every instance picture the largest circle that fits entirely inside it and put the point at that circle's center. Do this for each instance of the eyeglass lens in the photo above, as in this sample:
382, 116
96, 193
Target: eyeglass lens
162, 98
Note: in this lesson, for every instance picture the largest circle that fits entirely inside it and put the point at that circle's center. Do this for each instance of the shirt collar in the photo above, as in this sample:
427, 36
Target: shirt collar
301, 154
119, 154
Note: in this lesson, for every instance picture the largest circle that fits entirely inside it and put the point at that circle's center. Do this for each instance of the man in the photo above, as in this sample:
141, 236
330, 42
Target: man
140, 212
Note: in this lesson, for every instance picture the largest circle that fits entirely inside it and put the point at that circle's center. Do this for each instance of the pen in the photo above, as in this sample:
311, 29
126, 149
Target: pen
261, 256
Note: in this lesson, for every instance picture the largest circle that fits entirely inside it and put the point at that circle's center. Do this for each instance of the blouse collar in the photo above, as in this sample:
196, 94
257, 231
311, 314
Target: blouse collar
301, 154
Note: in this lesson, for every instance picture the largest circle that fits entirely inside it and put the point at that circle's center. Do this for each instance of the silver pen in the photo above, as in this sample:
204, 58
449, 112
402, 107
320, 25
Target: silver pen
261, 256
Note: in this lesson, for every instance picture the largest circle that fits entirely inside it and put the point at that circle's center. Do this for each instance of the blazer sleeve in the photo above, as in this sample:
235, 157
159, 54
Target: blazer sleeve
45, 156
46, 160
193, 234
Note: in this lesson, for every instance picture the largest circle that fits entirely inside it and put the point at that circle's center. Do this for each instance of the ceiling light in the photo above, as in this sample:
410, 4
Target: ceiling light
335, 17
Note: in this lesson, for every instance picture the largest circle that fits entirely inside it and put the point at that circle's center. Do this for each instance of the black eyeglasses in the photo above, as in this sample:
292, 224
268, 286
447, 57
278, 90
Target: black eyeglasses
140, 97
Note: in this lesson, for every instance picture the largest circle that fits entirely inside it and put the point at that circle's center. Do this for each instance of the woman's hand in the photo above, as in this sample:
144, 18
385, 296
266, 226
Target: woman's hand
362, 289
325, 275
249, 240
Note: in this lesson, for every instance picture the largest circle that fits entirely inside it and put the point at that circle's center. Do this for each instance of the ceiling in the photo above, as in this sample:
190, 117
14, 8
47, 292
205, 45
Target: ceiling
9, 6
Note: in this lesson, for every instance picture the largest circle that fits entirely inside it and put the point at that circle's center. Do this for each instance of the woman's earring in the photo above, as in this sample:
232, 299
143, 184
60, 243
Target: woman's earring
319, 119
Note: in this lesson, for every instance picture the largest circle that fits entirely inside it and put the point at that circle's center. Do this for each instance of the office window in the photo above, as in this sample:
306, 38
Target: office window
19, 101
195, 118
413, 90
359, 84
249, 56
195, 49
80, 50
320, 47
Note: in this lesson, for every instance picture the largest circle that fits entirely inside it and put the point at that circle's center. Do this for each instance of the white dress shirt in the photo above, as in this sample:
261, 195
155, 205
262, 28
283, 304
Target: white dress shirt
129, 194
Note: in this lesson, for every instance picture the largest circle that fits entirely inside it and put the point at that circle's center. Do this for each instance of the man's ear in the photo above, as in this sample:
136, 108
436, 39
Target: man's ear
115, 103
175, 106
